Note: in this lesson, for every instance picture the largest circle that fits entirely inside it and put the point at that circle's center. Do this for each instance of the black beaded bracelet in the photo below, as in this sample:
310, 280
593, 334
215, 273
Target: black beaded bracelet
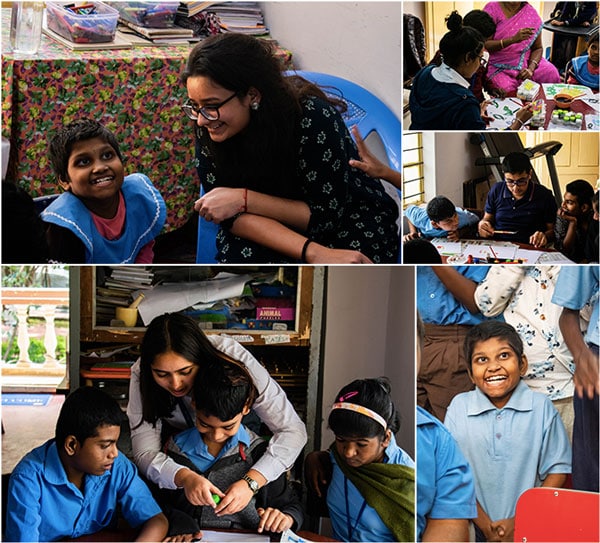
304, 247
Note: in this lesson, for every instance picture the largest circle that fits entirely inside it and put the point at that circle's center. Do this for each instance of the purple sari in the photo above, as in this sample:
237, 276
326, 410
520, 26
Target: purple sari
504, 65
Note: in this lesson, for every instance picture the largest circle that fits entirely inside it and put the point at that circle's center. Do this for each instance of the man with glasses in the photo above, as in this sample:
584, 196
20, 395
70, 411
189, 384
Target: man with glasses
517, 209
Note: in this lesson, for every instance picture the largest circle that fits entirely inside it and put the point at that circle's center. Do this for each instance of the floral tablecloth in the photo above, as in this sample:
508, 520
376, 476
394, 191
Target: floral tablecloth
135, 92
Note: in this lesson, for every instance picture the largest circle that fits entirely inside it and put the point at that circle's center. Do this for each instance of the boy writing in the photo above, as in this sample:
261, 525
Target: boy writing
573, 219
513, 438
103, 217
222, 449
440, 219
517, 209
72, 485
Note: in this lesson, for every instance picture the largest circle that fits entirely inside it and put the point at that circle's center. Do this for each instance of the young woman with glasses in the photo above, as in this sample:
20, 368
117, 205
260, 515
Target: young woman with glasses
441, 98
273, 156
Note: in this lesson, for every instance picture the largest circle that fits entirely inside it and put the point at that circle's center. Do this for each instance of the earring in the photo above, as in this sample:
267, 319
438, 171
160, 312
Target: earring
254, 106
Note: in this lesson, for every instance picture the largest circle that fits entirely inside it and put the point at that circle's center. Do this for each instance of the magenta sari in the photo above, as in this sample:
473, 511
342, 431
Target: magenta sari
504, 65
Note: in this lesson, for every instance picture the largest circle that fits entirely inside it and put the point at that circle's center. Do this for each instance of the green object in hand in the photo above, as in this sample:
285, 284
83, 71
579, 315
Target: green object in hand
216, 498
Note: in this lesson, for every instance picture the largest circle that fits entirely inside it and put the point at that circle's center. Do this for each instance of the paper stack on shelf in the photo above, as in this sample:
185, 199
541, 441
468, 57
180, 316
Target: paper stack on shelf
155, 36
244, 17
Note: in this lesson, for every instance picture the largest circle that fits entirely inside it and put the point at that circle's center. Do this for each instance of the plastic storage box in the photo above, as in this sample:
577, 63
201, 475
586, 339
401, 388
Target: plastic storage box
97, 27
148, 14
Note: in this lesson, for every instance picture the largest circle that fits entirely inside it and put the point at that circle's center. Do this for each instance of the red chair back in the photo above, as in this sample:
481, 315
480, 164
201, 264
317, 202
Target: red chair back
557, 514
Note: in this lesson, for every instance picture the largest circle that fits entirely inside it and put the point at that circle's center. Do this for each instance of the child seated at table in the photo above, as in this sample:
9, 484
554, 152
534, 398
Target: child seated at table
440, 219
512, 437
103, 217
573, 219
223, 450
584, 69
364, 460
481, 21
78, 483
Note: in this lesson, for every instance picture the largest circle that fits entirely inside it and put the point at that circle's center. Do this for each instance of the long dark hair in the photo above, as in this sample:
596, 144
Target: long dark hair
180, 334
262, 156
460, 42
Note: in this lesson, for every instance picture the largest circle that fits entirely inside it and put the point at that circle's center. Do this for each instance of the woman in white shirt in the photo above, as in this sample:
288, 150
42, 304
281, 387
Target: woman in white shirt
160, 397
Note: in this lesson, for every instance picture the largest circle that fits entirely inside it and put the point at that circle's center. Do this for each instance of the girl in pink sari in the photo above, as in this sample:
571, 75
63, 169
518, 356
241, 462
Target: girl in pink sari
516, 49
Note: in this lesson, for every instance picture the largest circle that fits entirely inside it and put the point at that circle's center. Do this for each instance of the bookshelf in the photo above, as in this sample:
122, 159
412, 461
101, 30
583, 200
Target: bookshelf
292, 357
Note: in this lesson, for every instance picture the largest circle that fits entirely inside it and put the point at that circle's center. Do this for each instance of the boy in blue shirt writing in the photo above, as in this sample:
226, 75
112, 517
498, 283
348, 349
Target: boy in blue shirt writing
441, 218
513, 438
74, 484
223, 450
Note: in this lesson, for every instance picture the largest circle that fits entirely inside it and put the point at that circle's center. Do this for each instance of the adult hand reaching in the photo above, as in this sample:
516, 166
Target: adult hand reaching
319, 254
221, 203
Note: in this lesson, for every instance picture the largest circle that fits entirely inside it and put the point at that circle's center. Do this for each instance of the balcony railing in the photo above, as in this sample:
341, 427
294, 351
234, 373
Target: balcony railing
24, 300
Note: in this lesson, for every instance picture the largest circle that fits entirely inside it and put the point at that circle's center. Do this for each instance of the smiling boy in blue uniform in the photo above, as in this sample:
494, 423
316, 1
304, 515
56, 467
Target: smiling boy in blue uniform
102, 217
223, 450
513, 438
74, 484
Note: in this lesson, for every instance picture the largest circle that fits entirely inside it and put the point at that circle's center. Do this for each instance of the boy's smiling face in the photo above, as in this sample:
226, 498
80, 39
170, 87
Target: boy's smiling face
495, 369
95, 173
215, 432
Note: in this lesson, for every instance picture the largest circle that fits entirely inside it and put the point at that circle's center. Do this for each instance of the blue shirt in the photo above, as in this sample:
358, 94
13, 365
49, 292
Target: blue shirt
369, 526
43, 505
437, 305
445, 487
530, 214
192, 445
421, 221
511, 449
576, 286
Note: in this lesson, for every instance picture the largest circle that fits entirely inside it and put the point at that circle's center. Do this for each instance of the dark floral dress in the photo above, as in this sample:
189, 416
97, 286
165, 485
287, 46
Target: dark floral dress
349, 209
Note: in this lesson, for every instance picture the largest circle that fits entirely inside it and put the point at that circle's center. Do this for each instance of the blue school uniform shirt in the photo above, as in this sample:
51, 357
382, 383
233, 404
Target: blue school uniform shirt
369, 526
43, 505
511, 449
575, 287
530, 214
445, 486
192, 445
437, 305
145, 216
421, 221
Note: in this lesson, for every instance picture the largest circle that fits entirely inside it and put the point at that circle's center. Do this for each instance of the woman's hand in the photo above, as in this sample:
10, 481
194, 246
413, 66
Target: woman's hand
370, 164
198, 490
318, 470
525, 73
521, 34
237, 497
221, 203
273, 520
319, 254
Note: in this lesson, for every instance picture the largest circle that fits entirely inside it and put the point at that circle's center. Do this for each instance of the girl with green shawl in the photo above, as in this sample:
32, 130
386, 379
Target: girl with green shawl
371, 494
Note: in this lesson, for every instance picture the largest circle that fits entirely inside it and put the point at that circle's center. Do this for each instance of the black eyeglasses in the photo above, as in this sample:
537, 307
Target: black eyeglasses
521, 182
210, 113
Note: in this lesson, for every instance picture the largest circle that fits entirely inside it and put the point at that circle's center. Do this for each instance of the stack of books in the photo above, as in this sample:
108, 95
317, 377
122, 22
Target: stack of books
154, 36
118, 290
243, 17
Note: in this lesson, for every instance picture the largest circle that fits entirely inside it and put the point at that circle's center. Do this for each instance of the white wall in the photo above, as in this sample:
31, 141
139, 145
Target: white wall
359, 41
369, 332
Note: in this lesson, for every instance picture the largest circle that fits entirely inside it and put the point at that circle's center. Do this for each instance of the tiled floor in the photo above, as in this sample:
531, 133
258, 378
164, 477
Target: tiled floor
26, 427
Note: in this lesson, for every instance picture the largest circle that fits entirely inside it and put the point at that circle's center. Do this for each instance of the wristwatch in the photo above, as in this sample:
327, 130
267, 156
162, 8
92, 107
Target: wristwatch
251, 483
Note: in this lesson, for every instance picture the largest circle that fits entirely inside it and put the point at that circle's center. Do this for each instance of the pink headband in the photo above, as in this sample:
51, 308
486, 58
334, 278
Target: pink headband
362, 410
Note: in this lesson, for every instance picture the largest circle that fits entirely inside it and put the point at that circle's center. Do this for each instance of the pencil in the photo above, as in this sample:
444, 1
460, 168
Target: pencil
503, 232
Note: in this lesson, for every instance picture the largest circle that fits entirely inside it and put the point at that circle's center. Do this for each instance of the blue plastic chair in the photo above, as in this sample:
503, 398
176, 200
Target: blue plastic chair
365, 110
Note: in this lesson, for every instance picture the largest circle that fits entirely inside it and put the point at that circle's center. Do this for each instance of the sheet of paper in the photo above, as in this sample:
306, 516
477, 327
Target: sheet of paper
490, 250
502, 111
168, 298
529, 256
290, 537
446, 247
210, 535
553, 258
579, 91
